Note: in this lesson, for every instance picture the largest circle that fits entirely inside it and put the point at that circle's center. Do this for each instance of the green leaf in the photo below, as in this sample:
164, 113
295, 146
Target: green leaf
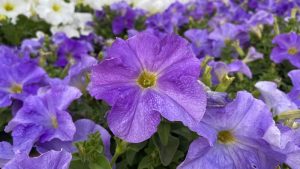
101, 163
146, 163
167, 152
163, 132
13, 34
77, 164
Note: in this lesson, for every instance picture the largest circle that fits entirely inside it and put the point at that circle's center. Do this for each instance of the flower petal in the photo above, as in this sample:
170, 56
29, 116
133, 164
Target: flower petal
133, 117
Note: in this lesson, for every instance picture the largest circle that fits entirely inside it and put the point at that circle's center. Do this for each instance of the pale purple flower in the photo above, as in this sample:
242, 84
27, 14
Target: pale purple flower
144, 78
44, 117
49, 160
19, 77
84, 127
252, 55
70, 51
235, 134
261, 17
240, 66
6, 153
287, 48
295, 92
200, 42
275, 99
125, 18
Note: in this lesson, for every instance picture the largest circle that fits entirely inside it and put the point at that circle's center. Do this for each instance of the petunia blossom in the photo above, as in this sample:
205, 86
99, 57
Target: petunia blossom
84, 127
275, 99
19, 77
44, 117
287, 48
6, 153
144, 78
295, 92
49, 160
235, 134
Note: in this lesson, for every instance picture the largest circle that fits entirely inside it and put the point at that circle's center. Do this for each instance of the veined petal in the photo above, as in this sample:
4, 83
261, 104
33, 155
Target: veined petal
133, 116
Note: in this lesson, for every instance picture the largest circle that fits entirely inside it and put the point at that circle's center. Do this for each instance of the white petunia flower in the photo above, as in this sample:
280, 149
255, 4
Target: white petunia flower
55, 12
98, 4
12, 8
152, 6
77, 27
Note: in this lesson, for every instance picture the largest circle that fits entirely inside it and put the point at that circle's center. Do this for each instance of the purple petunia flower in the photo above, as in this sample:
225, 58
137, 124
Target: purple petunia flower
200, 42
6, 153
71, 50
275, 99
177, 13
252, 55
261, 17
19, 77
295, 92
49, 160
235, 133
84, 127
287, 48
160, 23
44, 117
144, 78
226, 32
198, 9
125, 17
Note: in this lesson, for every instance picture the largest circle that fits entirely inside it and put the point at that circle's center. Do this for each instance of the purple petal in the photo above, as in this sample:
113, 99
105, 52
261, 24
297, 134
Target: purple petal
24, 137
133, 117
239, 66
60, 96
110, 78
64, 130
49, 160
274, 98
6, 153
184, 98
201, 155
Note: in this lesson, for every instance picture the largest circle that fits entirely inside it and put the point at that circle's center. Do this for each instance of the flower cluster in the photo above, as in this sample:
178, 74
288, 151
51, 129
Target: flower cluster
186, 84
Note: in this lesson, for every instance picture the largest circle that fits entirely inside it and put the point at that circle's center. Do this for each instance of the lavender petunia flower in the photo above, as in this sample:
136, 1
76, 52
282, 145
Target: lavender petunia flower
287, 48
229, 32
177, 11
6, 153
295, 92
71, 50
261, 17
235, 133
78, 72
160, 23
252, 55
43, 117
200, 42
275, 99
31, 46
198, 9
144, 78
240, 66
125, 17
84, 127
19, 77
49, 160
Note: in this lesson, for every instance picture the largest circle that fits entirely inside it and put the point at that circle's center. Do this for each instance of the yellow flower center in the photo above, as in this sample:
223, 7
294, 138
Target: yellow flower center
56, 7
16, 88
146, 79
292, 51
9, 7
54, 122
225, 137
